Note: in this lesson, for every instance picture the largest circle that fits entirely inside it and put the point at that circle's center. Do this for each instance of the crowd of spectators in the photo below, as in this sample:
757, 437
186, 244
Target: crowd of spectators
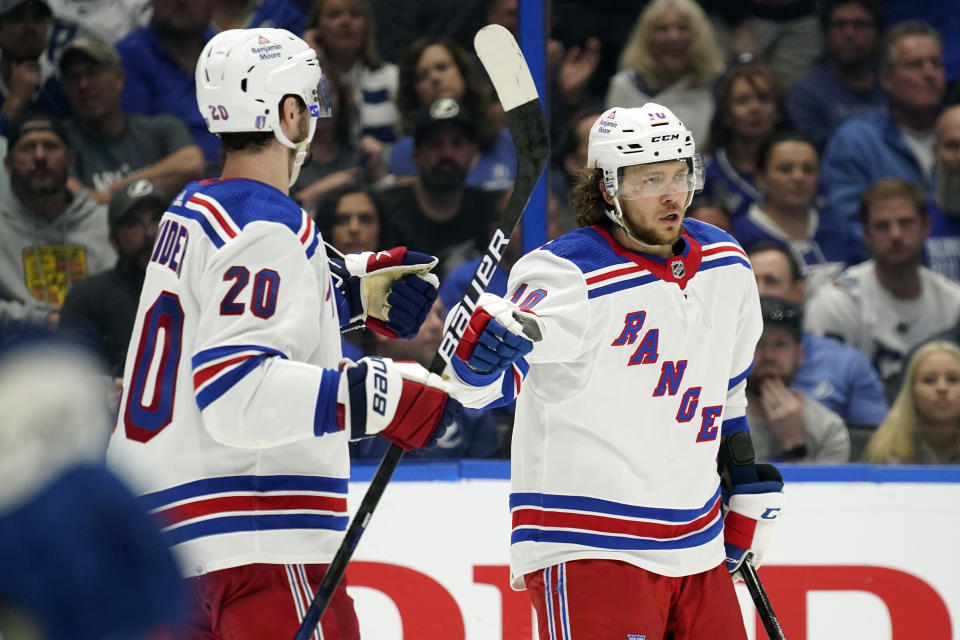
830, 135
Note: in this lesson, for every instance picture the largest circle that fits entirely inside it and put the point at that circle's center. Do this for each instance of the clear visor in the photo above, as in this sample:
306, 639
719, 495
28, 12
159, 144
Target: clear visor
660, 178
321, 101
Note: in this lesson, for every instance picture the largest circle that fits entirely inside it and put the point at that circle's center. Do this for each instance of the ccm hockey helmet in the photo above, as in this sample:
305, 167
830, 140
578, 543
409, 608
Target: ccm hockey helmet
242, 75
652, 133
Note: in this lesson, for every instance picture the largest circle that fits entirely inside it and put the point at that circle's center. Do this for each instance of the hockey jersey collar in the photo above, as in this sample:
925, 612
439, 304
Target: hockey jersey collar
678, 269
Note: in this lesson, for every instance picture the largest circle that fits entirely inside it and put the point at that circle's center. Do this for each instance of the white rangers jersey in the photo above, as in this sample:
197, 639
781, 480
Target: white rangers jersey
857, 310
641, 369
227, 425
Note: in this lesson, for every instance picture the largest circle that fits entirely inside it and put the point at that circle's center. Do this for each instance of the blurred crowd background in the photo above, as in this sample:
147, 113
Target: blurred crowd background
830, 131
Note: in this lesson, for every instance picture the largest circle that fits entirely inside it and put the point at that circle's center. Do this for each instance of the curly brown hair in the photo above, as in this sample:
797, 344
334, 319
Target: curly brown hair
478, 95
586, 199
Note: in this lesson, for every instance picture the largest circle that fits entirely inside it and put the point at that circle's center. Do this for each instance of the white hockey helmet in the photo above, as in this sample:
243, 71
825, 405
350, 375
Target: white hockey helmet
243, 74
624, 137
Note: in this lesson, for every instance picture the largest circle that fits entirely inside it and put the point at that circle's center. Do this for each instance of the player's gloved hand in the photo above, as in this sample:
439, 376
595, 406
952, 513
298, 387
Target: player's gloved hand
401, 401
495, 338
752, 511
391, 292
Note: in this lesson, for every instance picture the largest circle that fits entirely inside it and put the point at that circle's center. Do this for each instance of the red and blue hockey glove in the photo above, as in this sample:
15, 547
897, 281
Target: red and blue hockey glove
752, 511
495, 337
391, 292
402, 401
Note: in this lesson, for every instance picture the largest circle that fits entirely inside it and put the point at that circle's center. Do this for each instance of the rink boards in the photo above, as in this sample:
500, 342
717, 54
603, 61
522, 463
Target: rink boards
861, 552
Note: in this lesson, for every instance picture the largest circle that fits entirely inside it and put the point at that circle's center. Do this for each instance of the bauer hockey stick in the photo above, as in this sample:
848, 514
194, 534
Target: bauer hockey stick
760, 599
504, 63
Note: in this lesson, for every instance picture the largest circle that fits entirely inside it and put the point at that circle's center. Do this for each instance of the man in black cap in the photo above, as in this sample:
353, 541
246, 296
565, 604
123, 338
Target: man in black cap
438, 213
26, 82
787, 425
105, 305
114, 148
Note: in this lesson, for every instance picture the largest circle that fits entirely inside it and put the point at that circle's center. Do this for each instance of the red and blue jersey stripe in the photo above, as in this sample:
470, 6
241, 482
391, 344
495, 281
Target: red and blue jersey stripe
218, 369
207, 204
230, 504
604, 524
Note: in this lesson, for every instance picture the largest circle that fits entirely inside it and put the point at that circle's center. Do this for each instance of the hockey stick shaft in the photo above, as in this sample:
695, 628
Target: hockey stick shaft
502, 58
760, 600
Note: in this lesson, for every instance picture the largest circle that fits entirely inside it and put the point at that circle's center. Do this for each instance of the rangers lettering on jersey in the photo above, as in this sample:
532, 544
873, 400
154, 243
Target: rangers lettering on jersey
619, 326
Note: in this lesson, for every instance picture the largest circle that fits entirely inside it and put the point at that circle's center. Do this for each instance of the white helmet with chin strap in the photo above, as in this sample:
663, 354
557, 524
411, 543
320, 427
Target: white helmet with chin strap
622, 138
243, 74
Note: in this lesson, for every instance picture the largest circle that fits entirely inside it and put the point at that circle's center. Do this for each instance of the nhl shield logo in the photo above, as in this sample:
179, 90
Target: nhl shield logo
677, 268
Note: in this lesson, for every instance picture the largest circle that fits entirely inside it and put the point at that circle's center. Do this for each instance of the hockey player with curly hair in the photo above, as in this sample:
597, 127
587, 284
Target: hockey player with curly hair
623, 524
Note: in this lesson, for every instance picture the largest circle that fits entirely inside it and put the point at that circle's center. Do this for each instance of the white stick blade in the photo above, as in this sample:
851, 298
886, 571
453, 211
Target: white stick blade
504, 62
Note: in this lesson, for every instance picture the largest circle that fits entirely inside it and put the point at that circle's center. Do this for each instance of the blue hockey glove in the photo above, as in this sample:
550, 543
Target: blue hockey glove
402, 401
752, 511
495, 338
391, 292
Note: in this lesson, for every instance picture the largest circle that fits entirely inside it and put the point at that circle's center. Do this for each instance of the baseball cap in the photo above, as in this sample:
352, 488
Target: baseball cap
96, 50
35, 122
124, 200
779, 312
6, 6
444, 110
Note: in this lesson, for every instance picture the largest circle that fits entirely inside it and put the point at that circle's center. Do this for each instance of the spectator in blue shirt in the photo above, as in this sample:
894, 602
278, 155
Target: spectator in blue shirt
837, 375
943, 243
27, 83
846, 85
896, 141
159, 62
788, 172
750, 106
250, 14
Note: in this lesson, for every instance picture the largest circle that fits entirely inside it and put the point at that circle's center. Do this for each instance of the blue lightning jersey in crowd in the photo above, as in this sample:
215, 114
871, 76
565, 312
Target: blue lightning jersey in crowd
230, 379
640, 371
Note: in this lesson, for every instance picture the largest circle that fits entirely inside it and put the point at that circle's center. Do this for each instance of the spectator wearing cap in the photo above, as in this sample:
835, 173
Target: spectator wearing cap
787, 424
107, 20
104, 305
438, 213
159, 61
113, 148
27, 82
50, 236
433, 68
835, 374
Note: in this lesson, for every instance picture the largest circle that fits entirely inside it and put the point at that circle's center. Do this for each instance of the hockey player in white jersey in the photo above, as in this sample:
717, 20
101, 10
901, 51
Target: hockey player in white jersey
237, 408
631, 398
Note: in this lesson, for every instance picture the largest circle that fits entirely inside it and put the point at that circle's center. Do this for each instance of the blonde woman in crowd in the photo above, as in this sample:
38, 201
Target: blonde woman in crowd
671, 58
923, 426
342, 34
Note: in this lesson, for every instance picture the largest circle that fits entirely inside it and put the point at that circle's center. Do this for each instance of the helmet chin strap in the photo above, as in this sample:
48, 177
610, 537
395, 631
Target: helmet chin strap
300, 148
616, 214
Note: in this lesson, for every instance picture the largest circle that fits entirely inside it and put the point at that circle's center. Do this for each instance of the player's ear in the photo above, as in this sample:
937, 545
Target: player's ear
289, 109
